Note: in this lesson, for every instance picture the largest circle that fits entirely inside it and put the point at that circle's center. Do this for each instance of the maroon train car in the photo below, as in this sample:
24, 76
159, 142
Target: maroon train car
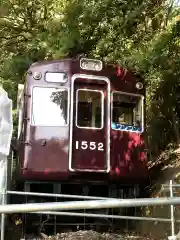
82, 120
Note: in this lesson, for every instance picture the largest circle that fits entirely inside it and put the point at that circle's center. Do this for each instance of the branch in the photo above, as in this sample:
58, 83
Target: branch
169, 12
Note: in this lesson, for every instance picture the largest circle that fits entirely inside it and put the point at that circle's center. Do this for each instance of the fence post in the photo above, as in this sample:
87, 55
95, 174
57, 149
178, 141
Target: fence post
172, 237
3, 215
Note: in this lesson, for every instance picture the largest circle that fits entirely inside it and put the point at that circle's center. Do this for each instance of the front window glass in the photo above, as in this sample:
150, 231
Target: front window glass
49, 106
127, 112
89, 109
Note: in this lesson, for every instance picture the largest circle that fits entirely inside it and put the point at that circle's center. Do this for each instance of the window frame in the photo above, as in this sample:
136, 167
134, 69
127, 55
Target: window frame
68, 102
102, 109
142, 106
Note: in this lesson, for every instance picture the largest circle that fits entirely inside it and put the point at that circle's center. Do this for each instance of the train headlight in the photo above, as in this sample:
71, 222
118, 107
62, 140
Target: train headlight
37, 75
91, 64
139, 85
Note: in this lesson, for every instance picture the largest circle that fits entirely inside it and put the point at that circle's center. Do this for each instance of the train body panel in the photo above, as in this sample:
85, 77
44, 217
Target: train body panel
79, 124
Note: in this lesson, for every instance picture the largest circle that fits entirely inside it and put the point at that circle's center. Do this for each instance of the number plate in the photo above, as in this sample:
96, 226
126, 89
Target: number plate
84, 145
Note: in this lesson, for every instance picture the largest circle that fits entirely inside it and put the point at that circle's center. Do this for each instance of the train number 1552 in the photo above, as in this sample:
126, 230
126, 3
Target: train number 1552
84, 145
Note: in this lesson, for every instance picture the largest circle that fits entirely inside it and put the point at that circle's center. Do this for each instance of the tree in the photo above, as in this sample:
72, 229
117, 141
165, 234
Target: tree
142, 35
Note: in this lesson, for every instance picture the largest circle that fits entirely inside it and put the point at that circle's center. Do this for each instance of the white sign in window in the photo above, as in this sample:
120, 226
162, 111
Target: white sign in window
56, 77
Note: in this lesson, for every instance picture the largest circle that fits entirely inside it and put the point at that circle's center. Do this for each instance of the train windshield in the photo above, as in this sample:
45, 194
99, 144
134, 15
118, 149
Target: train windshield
49, 106
127, 112
89, 109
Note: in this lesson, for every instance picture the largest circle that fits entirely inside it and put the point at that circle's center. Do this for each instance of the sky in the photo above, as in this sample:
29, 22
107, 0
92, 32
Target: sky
177, 2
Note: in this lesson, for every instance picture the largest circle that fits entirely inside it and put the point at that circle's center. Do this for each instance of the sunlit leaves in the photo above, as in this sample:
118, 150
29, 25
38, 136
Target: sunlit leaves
142, 35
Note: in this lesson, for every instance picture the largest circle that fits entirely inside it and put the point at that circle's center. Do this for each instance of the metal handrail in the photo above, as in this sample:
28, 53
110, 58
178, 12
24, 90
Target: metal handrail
37, 194
92, 204
106, 216
49, 208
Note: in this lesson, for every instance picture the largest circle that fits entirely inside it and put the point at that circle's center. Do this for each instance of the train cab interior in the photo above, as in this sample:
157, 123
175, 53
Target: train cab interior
89, 108
127, 111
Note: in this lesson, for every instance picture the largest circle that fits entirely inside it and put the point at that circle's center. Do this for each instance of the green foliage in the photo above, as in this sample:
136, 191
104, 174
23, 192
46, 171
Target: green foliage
142, 35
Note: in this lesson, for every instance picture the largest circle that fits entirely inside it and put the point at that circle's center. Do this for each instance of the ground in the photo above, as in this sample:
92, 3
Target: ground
92, 235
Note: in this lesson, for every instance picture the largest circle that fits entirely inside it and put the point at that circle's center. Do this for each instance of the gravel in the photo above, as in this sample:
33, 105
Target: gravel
93, 235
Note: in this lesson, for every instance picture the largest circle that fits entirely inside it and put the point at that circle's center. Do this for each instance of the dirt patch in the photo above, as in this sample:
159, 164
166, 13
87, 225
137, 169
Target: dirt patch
93, 235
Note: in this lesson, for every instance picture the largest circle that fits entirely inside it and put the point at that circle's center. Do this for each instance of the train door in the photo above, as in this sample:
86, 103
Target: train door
90, 124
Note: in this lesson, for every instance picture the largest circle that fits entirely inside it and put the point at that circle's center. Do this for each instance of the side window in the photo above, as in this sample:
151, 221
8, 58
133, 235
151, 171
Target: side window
49, 106
20, 116
20, 108
127, 112
89, 109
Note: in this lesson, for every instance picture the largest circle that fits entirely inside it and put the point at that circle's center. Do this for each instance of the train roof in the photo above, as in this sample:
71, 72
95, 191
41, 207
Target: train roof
73, 65
108, 64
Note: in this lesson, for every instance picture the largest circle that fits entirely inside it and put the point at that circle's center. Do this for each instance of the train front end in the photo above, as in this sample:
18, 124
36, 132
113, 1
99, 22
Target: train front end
80, 132
82, 121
